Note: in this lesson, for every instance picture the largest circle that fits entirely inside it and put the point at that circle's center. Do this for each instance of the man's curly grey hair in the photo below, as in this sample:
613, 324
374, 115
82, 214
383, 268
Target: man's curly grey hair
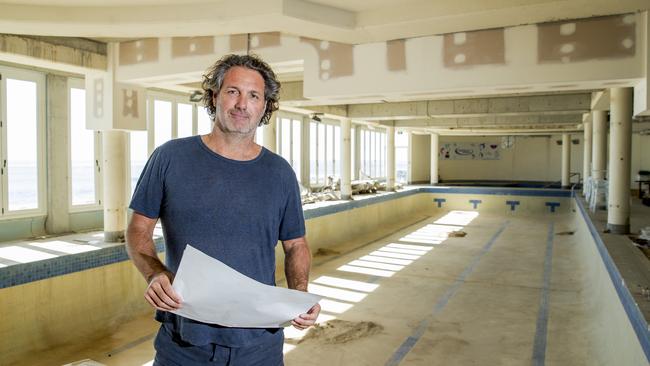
213, 80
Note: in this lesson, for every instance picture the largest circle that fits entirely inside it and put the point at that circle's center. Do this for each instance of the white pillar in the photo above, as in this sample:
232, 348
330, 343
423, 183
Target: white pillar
435, 143
270, 139
566, 160
115, 163
620, 153
599, 145
346, 159
390, 158
586, 161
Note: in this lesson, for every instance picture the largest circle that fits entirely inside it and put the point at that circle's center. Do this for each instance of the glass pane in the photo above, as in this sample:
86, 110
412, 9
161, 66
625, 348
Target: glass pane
204, 122
295, 155
353, 163
321, 154
22, 150
401, 164
383, 150
313, 177
162, 112
329, 155
184, 117
362, 150
82, 151
337, 151
285, 139
139, 155
401, 138
259, 135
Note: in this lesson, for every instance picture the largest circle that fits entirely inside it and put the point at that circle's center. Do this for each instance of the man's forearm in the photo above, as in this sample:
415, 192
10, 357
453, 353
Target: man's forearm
297, 263
142, 251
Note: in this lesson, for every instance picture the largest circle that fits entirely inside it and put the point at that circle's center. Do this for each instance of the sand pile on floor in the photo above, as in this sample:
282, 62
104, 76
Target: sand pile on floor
341, 331
457, 234
322, 252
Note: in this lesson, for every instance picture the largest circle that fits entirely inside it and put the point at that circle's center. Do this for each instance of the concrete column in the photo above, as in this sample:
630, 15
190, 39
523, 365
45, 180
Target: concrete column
58, 219
270, 137
390, 158
357, 152
620, 153
114, 145
586, 161
435, 147
599, 145
305, 147
566, 160
346, 159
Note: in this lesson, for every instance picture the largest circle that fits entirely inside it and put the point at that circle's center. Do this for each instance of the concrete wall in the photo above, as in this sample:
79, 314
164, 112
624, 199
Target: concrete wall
420, 157
531, 158
612, 338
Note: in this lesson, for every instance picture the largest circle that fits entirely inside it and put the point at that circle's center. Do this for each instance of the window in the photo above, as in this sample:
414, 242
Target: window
22, 141
139, 155
289, 141
162, 121
401, 156
205, 124
325, 154
373, 154
84, 152
185, 120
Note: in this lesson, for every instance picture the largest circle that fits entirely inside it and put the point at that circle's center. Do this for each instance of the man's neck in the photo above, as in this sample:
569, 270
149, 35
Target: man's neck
232, 146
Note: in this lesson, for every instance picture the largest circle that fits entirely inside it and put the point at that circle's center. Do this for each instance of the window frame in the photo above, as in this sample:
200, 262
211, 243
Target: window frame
38, 78
99, 192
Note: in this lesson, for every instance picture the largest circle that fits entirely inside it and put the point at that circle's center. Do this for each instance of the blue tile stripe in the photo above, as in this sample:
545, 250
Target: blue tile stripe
411, 340
475, 203
634, 315
553, 205
22, 273
539, 345
18, 274
513, 204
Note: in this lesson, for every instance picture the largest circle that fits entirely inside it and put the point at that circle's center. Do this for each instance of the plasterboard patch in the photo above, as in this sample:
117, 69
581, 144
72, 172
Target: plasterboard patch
396, 55
587, 39
140, 51
238, 42
484, 47
192, 46
334, 59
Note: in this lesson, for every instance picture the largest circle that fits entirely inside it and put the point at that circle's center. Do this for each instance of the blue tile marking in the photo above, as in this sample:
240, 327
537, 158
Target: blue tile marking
553, 205
634, 315
33, 271
439, 201
539, 346
475, 203
410, 342
513, 204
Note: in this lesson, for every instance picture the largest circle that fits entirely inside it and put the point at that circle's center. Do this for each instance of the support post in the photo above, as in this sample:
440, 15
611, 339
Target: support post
435, 144
620, 153
566, 160
346, 159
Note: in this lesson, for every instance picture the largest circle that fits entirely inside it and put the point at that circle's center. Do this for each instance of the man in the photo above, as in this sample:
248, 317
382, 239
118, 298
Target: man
233, 200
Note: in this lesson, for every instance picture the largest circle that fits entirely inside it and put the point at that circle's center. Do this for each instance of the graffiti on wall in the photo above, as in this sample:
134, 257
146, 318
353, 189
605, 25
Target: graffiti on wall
469, 151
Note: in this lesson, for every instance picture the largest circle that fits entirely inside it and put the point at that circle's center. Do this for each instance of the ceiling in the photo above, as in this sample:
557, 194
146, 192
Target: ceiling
343, 21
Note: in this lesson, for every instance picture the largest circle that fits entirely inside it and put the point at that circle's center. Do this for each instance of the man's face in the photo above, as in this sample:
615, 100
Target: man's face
240, 102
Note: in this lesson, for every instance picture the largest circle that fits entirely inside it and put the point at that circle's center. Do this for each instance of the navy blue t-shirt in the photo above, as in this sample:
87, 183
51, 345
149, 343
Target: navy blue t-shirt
235, 211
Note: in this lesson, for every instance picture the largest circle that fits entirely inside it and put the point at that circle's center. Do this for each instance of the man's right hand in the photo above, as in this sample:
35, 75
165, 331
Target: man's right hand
160, 293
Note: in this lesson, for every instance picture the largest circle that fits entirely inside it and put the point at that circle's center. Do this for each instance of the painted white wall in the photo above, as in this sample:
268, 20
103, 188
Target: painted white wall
420, 158
531, 158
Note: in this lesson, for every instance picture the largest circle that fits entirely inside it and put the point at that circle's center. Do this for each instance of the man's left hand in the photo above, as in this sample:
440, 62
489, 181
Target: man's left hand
304, 321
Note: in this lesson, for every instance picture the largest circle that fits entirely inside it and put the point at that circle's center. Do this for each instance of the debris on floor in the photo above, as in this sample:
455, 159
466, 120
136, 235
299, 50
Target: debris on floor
566, 233
457, 234
322, 252
341, 331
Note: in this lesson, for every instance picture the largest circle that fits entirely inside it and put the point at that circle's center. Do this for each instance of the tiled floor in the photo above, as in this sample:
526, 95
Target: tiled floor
486, 299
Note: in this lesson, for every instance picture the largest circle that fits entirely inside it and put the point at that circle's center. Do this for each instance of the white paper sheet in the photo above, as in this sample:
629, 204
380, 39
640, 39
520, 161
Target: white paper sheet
214, 293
